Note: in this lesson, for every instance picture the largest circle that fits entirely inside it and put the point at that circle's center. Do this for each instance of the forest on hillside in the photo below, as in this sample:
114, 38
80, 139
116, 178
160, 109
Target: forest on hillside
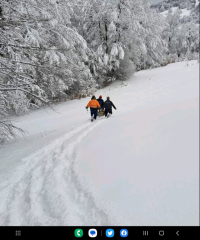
191, 5
54, 50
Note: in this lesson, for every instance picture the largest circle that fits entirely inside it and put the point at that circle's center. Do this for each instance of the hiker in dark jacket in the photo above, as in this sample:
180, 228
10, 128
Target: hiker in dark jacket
108, 106
101, 101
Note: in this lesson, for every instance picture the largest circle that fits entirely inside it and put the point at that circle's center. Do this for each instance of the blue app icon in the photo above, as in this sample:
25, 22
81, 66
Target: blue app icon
110, 233
124, 233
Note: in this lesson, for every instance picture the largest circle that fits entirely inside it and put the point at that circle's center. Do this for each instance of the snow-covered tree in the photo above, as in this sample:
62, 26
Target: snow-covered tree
173, 19
114, 28
183, 37
41, 55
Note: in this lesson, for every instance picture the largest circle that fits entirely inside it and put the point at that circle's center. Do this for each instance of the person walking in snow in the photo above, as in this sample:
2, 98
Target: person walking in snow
94, 106
108, 107
101, 101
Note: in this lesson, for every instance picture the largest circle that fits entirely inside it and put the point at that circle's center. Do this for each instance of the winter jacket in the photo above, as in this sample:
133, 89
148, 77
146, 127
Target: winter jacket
108, 104
93, 104
101, 102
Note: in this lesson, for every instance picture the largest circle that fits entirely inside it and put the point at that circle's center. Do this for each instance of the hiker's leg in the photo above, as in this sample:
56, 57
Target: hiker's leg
106, 112
95, 113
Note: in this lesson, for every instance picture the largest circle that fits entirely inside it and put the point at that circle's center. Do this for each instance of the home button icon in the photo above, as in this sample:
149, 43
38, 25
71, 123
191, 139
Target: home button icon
161, 233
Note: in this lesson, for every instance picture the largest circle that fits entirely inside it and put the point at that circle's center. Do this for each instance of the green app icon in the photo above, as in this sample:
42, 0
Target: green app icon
78, 233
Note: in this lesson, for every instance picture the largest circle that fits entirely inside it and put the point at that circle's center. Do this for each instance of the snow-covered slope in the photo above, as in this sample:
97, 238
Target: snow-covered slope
139, 167
184, 12
189, 9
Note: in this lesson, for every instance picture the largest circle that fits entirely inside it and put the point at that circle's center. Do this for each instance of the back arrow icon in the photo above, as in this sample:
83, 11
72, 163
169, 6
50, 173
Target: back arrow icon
177, 233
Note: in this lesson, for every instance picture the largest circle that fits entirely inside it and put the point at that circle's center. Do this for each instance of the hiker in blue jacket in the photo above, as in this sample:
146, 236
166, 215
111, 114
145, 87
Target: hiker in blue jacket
101, 101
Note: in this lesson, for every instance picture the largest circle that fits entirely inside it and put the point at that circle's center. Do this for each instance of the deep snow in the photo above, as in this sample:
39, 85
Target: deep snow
139, 167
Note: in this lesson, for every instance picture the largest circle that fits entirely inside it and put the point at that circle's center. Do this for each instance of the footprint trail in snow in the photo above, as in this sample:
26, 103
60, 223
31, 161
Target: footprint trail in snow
44, 189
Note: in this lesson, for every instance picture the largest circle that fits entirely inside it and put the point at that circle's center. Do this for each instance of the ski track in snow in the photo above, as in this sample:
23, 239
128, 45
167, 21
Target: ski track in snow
44, 190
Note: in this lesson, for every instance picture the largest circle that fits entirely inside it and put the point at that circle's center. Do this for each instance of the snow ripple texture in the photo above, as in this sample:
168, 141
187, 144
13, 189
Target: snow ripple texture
44, 189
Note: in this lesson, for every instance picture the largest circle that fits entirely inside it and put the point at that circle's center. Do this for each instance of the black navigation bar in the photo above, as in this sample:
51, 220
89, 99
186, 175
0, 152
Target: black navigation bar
100, 232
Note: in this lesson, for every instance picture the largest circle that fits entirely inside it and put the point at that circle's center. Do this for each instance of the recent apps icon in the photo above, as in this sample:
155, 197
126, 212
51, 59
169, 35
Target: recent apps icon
110, 233
92, 233
124, 233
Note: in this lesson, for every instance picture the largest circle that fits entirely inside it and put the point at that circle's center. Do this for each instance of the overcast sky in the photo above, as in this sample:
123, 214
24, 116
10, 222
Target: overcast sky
156, 1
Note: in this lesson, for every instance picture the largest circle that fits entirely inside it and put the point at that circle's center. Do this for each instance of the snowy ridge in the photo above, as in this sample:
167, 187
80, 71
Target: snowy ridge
45, 191
184, 12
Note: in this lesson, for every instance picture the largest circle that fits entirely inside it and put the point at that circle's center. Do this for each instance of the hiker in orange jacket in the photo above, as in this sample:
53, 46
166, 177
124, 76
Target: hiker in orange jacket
94, 106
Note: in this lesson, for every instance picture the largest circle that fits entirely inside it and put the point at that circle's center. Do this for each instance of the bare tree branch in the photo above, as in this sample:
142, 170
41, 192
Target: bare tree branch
23, 90
34, 48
